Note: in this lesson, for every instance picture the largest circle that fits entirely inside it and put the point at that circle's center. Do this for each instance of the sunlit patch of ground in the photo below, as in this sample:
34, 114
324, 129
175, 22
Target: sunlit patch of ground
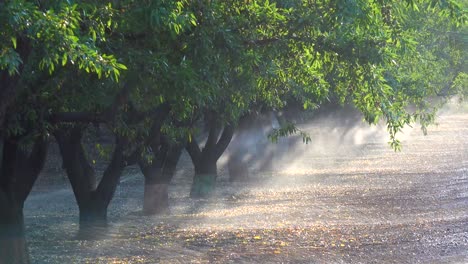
357, 203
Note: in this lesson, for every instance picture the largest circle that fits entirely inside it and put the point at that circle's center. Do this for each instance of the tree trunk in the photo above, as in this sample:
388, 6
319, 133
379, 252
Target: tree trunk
158, 176
237, 167
13, 248
156, 198
1, 149
93, 219
204, 180
204, 160
92, 200
18, 172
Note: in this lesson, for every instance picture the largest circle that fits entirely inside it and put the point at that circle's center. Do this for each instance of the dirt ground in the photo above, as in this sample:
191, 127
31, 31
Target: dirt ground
346, 198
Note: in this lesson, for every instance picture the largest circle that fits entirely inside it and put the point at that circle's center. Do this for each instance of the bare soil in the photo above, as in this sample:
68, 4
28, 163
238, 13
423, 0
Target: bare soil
347, 198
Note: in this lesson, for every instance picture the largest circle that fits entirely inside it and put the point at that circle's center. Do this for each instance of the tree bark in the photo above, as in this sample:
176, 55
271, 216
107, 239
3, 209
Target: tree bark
204, 180
92, 217
1, 149
19, 171
204, 161
13, 247
158, 175
156, 199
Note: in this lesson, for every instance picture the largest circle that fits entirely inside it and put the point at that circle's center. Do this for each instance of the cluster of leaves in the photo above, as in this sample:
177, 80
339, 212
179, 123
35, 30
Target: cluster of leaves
388, 58
60, 33
287, 130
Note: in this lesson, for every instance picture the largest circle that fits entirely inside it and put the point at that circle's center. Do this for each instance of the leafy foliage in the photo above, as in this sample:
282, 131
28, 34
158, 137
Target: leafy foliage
59, 34
388, 58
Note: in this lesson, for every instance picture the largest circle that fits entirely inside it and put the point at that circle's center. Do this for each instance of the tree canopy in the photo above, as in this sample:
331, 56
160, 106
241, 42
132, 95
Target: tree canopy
230, 57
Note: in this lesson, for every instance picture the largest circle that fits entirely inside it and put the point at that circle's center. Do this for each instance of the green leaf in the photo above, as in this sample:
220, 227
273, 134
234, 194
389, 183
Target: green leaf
64, 59
121, 66
13, 40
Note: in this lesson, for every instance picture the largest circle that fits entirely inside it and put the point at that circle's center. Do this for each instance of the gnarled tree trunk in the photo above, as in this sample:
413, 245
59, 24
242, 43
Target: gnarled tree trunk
92, 199
204, 160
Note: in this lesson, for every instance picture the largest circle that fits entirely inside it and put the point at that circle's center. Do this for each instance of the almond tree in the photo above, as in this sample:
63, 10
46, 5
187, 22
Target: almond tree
36, 39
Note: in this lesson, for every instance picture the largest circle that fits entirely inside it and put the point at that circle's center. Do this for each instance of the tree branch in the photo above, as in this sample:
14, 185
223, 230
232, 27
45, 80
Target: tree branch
111, 177
193, 150
213, 135
78, 169
224, 141
30, 168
